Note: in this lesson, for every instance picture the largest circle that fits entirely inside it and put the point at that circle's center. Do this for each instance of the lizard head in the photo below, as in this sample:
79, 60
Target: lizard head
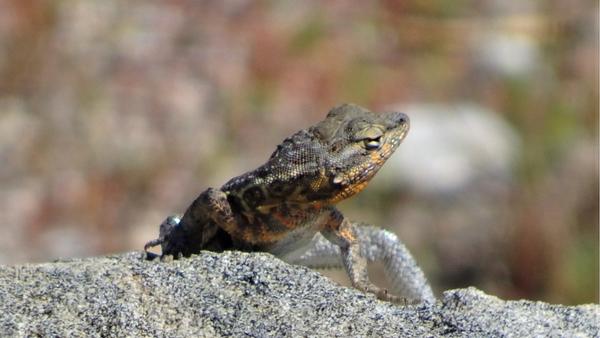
358, 142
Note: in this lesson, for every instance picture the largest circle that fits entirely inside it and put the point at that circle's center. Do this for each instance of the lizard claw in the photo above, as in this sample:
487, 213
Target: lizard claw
383, 294
166, 228
152, 243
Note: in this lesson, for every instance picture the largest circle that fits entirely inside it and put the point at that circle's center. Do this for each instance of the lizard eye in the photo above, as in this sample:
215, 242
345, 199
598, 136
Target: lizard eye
373, 144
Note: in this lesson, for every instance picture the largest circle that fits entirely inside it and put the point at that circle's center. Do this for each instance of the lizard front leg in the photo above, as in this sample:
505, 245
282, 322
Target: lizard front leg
201, 227
376, 244
342, 233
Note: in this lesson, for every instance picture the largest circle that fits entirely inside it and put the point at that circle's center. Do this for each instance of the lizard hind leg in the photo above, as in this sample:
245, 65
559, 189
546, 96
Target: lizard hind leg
199, 228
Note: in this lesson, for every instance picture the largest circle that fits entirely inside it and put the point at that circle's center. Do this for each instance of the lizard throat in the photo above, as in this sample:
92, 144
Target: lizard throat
360, 176
348, 192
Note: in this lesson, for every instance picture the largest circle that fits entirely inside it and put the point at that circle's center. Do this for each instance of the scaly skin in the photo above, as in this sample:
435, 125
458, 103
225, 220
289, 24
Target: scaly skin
281, 206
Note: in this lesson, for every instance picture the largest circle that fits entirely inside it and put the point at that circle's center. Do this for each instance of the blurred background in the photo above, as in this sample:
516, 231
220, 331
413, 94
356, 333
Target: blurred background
115, 114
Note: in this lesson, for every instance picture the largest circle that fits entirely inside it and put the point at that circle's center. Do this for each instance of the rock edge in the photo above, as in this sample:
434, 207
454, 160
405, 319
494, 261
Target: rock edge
248, 294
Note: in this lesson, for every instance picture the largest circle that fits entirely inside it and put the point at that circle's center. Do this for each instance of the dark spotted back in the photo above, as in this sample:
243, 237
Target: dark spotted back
326, 163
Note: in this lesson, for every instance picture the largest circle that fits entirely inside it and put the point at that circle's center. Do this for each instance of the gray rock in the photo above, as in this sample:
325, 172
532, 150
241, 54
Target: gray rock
240, 294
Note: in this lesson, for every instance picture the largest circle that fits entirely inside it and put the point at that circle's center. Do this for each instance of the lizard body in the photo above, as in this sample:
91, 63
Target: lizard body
282, 206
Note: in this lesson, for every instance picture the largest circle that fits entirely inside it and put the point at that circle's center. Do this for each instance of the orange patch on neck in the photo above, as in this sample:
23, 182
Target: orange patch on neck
348, 192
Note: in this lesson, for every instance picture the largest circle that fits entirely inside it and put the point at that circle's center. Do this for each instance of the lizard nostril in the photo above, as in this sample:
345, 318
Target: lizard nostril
402, 118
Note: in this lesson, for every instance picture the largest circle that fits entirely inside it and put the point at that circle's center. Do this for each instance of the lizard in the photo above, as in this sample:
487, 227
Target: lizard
287, 206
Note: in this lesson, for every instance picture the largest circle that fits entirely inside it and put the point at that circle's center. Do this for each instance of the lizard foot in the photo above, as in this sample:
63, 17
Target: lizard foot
165, 237
381, 293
